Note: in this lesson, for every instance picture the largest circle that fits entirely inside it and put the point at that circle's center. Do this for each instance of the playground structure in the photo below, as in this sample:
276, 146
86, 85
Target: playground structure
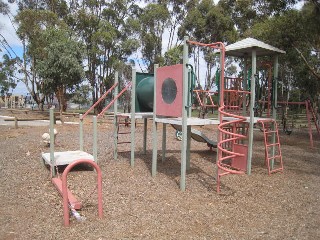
236, 99
171, 104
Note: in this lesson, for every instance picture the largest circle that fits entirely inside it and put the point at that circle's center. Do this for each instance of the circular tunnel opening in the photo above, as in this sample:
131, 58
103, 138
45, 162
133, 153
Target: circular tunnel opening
169, 90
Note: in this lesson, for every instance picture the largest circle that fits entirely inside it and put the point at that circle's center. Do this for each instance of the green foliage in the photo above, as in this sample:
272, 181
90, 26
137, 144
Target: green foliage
173, 56
8, 71
81, 95
4, 8
297, 32
62, 61
154, 18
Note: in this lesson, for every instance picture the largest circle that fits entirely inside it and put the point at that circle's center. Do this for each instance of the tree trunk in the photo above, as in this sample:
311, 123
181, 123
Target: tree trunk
60, 93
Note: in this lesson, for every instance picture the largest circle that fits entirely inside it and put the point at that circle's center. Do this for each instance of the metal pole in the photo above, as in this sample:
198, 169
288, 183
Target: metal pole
252, 99
95, 140
184, 141
115, 119
52, 160
154, 126
133, 116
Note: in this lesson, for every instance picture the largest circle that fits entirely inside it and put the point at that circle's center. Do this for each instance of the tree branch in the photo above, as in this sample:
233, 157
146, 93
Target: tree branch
312, 70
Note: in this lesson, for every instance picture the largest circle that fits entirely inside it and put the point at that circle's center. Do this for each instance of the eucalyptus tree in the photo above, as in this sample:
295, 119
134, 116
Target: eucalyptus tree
298, 33
108, 32
207, 23
8, 71
246, 13
31, 23
4, 7
154, 19
60, 67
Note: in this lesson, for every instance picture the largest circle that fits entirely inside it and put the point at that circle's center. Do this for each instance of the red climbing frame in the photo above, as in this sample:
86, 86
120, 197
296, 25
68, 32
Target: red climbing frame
233, 100
226, 138
65, 189
208, 96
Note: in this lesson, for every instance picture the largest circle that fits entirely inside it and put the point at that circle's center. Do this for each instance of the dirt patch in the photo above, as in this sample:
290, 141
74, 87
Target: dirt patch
138, 206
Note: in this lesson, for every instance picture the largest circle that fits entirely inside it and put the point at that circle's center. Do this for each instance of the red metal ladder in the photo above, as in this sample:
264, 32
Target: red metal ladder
272, 145
123, 122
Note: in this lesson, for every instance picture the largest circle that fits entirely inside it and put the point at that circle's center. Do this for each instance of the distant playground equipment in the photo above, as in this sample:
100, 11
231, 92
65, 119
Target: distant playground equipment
289, 118
72, 158
13, 101
264, 101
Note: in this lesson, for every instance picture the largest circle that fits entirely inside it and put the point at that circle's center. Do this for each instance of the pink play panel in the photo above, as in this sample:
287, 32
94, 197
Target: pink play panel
169, 87
240, 162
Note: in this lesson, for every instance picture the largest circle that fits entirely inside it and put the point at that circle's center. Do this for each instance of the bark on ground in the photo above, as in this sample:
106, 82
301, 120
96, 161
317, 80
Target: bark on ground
138, 206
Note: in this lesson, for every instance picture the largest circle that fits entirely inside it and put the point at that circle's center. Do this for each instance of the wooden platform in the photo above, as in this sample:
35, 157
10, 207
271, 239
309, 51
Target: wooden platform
65, 158
190, 121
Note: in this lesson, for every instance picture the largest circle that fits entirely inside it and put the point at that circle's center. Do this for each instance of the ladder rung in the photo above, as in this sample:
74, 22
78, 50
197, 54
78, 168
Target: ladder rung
273, 144
123, 142
274, 157
270, 131
124, 123
124, 133
277, 170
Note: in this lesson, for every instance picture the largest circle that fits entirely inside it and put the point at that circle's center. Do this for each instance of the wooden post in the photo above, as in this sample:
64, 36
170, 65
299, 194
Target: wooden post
95, 140
275, 103
154, 126
164, 138
184, 141
15, 122
252, 102
115, 119
133, 115
52, 160
145, 129
81, 133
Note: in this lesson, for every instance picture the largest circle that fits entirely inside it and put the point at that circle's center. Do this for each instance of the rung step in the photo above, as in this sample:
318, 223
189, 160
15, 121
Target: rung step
270, 132
274, 157
276, 170
273, 144
123, 142
124, 123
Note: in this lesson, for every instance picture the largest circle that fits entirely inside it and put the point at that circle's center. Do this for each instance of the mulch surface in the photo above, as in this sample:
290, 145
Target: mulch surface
138, 206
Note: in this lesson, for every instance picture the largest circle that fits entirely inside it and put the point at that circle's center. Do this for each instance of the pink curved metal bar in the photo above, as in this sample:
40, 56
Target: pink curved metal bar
99, 100
115, 98
223, 153
65, 190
